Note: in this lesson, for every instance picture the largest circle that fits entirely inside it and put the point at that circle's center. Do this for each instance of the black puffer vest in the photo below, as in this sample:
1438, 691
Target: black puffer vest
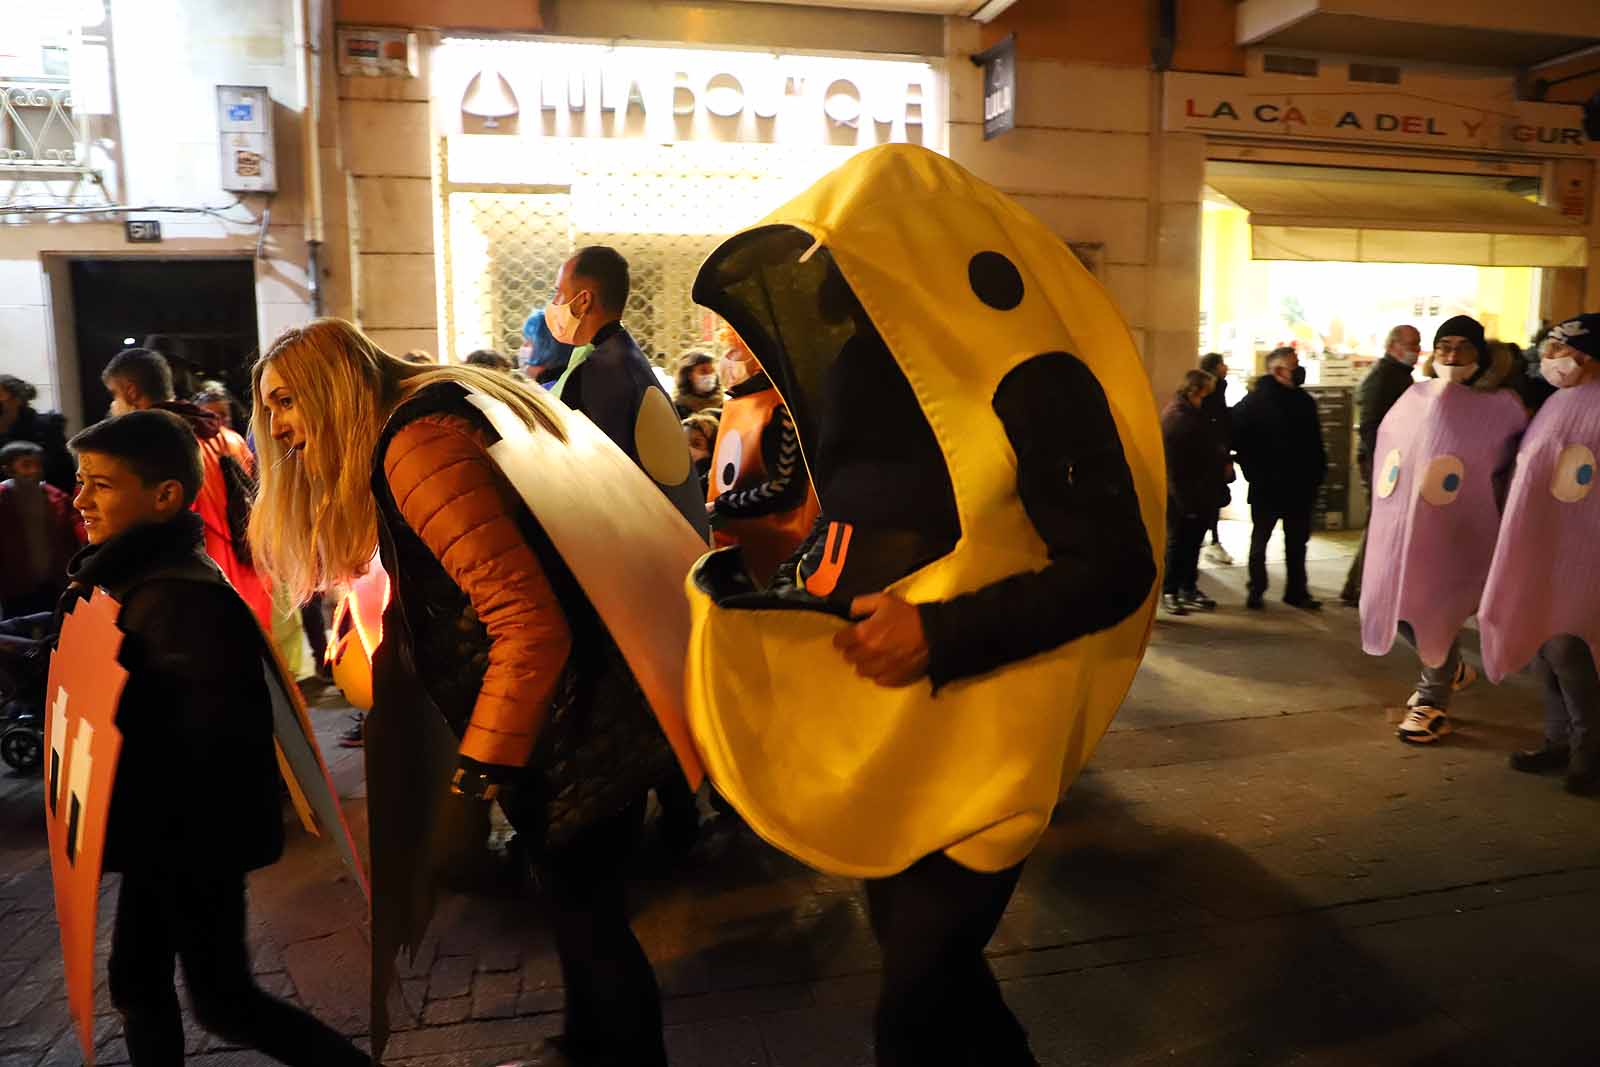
600, 746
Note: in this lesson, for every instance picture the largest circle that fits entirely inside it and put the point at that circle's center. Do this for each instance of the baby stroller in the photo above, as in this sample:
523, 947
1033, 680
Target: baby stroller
24, 677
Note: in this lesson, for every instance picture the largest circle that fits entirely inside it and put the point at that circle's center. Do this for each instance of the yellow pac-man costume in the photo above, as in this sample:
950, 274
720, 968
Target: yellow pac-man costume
971, 296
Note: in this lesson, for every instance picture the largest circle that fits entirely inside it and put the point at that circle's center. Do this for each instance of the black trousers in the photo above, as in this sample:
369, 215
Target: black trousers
1186, 534
1296, 533
612, 1014
200, 920
1352, 579
939, 1005
316, 628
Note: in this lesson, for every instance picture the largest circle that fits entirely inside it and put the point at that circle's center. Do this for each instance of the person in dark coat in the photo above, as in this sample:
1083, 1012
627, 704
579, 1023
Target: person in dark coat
194, 806
1384, 383
1194, 485
20, 422
39, 533
1215, 409
1278, 439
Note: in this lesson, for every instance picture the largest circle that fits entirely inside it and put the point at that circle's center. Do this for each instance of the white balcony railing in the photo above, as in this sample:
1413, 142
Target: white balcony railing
38, 131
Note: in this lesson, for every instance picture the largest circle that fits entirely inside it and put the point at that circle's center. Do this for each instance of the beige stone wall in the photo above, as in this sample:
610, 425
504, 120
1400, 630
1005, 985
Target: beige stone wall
1089, 158
386, 169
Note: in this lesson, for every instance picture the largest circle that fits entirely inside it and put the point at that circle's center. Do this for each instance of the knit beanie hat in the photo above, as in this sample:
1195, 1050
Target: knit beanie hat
1582, 333
1464, 326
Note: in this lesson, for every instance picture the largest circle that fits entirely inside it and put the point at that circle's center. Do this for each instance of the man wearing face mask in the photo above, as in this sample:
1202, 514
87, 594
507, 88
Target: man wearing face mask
1384, 383
1444, 460
1278, 439
610, 381
1550, 518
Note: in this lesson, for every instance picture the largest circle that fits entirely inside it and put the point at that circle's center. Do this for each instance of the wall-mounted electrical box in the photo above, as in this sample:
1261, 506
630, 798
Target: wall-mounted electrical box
377, 52
244, 124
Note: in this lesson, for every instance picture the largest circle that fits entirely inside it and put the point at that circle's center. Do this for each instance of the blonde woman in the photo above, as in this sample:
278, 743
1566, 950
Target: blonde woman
495, 676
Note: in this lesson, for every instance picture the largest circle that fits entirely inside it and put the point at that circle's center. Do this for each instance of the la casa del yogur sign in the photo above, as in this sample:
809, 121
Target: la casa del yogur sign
1248, 107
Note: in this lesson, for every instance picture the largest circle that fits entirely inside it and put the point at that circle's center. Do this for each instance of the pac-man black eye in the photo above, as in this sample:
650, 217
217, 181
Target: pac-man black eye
996, 280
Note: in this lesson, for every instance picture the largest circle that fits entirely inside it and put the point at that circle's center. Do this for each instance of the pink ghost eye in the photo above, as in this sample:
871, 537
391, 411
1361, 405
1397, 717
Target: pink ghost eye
1389, 473
1575, 474
1442, 481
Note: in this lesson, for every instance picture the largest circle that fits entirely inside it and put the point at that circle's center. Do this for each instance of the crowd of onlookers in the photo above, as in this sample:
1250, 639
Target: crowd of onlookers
1439, 469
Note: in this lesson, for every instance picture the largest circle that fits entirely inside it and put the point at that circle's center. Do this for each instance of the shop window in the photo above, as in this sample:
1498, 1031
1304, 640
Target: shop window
665, 208
1303, 66
1374, 72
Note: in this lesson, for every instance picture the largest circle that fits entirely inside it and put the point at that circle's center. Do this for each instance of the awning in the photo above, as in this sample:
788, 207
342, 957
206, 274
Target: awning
1371, 216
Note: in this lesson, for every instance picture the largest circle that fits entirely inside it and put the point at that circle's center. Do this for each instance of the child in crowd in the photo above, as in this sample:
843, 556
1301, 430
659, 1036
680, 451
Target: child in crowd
39, 532
195, 805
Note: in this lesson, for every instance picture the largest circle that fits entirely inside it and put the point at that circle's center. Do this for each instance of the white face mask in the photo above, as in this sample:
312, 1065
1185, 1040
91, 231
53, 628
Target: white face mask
1455, 373
733, 371
562, 322
704, 384
1561, 372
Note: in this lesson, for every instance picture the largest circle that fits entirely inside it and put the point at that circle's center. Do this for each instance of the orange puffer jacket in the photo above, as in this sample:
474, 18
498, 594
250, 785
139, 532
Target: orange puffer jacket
454, 498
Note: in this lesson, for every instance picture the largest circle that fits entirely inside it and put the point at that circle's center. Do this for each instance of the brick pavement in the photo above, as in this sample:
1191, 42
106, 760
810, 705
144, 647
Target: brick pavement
1251, 871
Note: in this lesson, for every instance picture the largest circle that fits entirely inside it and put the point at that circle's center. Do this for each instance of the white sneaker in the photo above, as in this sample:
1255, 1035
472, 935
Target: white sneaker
1218, 555
1423, 725
1466, 674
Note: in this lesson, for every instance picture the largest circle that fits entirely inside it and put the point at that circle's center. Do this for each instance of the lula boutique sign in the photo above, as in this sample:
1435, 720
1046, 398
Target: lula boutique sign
1252, 107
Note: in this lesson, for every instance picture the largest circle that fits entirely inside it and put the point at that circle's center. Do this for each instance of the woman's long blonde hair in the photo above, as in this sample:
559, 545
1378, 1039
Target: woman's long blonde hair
315, 521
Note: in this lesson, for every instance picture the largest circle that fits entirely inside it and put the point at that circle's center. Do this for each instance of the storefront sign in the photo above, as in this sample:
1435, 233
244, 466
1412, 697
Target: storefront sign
999, 65
670, 94
1259, 107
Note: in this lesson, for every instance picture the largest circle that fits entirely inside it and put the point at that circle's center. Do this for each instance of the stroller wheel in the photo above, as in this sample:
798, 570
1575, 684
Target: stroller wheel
22, 748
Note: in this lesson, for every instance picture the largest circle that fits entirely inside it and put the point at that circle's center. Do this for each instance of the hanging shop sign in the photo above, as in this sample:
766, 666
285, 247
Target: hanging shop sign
999, 65
1249, 107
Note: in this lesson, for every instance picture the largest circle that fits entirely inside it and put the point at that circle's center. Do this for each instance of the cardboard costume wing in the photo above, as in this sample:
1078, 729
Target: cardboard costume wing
626, 544
1545, 578
1434, 517
964, 286
304, 771
82, 745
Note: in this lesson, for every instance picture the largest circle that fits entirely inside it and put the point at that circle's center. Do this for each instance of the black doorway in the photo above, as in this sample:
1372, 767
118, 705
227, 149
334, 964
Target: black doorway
199, 313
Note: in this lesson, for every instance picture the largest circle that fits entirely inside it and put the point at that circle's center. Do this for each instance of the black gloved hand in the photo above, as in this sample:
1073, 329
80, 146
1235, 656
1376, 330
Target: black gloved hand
481, 781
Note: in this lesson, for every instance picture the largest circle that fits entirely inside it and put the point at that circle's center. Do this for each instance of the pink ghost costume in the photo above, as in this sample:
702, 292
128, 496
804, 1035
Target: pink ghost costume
1545, 579
1434, 514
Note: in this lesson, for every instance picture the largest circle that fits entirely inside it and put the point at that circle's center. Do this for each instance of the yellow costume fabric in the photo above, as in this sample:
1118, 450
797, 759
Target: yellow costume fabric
862, 780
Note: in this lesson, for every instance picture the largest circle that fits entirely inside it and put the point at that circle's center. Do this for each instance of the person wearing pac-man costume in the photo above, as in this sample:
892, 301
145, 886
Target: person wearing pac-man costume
1542, 599
907, 700
759, 496
1444, 455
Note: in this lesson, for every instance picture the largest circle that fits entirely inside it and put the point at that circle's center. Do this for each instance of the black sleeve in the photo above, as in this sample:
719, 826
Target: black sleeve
1369, 412
195, 659
786, 480
1241, 433
1076, 487
1188, 455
